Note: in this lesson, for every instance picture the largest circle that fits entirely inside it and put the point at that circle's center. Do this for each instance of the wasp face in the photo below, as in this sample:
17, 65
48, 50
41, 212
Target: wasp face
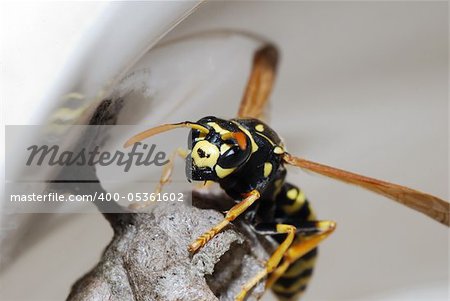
218, 153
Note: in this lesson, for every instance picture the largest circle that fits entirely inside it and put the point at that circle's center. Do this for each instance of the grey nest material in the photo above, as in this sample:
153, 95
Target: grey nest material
147, 258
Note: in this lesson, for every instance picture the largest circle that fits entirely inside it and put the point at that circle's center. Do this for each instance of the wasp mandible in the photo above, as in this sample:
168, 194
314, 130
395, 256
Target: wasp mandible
247, 159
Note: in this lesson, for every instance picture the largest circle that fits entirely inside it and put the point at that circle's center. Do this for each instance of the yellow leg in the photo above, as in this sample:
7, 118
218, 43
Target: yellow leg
234, 212
298, 250
273, 261
168, 169
165, 176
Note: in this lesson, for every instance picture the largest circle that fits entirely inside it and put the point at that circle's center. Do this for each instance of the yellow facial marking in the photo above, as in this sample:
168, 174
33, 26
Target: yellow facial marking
267, 169
223, 172
278, 150
259, 128
217, 128
201, 136
292, 193
205, 154
223, 148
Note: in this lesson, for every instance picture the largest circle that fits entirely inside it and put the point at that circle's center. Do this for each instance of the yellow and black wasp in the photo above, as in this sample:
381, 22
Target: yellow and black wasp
247, 159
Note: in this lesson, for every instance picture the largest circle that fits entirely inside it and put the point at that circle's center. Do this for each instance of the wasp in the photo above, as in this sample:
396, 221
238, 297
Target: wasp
248, 159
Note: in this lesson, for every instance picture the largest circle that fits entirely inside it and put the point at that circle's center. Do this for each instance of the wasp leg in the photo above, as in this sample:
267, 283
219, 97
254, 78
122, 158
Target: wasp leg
231, 215
304, 228
324, 229
260, 83
274, 260
165, 176
168, 168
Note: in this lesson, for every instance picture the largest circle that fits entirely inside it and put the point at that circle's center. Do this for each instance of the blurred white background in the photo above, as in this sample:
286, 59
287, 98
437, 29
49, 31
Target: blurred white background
361, 86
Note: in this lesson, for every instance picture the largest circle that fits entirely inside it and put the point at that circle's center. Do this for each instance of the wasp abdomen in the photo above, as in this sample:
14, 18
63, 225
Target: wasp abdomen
294, 208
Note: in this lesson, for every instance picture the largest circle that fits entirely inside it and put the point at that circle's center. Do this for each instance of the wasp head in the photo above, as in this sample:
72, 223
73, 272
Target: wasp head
217, 152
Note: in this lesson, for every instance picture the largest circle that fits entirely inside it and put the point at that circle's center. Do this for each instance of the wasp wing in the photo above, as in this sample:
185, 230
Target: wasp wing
184, 77
427, 204
260, 83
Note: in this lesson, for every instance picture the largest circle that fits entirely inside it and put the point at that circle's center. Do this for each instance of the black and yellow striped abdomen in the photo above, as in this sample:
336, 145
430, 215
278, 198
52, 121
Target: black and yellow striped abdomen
292, 205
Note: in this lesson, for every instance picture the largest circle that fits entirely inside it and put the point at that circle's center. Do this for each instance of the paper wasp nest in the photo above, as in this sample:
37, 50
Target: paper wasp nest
148, 258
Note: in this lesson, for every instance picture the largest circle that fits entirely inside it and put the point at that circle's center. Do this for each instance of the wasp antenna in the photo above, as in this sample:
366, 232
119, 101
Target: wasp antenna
164, 128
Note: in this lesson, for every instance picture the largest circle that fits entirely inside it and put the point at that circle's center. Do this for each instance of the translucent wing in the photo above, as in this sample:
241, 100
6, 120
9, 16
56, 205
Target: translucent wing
184, 77
427, 204
260, 83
